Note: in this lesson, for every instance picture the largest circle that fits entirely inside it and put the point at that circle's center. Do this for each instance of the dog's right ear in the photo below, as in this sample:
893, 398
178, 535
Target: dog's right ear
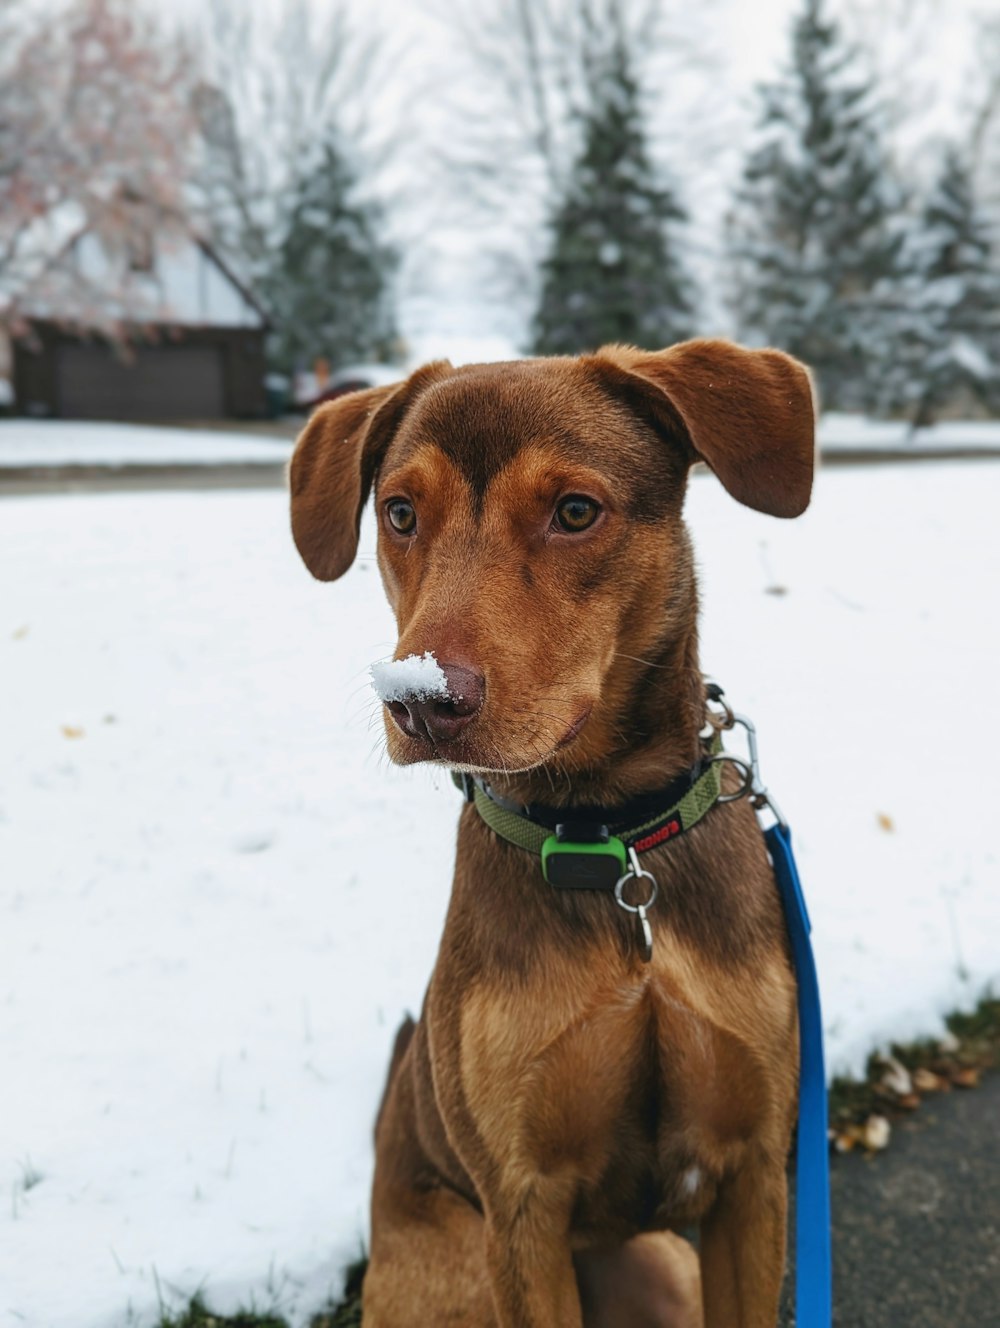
334, 466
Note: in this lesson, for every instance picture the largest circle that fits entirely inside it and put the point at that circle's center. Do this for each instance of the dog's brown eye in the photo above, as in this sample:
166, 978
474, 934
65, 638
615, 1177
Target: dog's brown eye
576, 513
401, 515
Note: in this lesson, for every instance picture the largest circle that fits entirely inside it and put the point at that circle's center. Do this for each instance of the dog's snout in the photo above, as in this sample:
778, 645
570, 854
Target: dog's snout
442, 718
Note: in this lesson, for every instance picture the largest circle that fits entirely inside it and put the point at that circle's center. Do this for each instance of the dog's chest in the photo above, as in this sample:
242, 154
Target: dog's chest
618, 1082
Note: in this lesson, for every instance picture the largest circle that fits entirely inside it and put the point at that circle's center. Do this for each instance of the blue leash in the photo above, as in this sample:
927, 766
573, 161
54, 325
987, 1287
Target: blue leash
813, 1262
813, 1270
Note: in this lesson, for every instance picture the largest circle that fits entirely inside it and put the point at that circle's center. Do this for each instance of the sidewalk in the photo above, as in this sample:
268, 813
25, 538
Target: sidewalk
916, 1238
80, 456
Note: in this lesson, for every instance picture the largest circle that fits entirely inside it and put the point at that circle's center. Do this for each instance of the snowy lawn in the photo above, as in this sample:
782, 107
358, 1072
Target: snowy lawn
846, 434
86, 443
216, 901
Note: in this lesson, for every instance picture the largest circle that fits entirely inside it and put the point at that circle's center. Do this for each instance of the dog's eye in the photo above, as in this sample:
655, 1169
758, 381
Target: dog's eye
401, 516
576, 513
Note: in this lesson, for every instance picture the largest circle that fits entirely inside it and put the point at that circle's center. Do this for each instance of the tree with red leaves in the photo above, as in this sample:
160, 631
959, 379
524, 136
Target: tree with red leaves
95, 136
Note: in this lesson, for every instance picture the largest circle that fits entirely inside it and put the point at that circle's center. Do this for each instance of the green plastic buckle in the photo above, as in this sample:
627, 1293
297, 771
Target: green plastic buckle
573, 865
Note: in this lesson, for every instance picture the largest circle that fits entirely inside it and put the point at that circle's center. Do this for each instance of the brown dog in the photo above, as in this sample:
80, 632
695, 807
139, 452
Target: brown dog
563, 1105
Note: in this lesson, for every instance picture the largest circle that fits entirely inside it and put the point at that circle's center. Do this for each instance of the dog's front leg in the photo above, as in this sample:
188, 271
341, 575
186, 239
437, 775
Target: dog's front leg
743, 1249
530, 1263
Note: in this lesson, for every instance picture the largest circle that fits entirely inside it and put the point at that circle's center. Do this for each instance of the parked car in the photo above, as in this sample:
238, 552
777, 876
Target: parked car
350, 378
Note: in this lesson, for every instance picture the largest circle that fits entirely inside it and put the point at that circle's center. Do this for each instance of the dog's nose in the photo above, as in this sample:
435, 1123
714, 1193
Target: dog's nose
438, 718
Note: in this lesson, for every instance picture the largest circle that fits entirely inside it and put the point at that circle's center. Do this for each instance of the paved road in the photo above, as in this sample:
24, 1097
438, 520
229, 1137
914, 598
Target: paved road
16, 482
29, 480
917, 1229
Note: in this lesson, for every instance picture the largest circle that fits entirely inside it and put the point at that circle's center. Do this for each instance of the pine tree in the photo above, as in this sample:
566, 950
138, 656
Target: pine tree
815, 234
329, 286
954, 348
613, 272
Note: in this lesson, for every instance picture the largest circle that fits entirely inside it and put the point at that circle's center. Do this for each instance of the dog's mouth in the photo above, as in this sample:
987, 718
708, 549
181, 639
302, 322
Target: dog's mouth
573, 732
475, 751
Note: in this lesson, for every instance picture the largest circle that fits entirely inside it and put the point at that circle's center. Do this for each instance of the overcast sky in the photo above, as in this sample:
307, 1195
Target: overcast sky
923, 51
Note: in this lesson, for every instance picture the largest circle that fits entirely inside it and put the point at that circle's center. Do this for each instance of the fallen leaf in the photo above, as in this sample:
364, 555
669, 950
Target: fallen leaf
965, 1078
885, 822
775, 590
71, 731
909, 1101
897, 1077
926, 1081
876, 1133
21, 632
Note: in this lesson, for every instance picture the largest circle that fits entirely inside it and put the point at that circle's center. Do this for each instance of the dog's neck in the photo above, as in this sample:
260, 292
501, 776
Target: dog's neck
636, 746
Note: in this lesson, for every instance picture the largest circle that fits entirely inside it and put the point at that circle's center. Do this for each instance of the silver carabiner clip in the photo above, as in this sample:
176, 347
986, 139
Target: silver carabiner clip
757, 790
644, 932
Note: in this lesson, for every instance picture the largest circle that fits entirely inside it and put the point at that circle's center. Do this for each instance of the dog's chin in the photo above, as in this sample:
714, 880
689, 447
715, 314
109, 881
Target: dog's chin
473, 755
459, 755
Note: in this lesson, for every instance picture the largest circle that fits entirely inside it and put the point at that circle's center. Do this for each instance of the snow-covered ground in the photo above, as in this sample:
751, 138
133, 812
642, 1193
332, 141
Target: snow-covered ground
82, 443
855, 433
94, 443
216, 900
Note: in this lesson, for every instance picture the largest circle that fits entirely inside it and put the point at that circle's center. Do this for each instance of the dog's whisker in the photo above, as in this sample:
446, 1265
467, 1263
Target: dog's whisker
618, 654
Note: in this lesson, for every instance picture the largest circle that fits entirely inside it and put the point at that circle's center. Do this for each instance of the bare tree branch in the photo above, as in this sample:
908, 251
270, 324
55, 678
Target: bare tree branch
277, 85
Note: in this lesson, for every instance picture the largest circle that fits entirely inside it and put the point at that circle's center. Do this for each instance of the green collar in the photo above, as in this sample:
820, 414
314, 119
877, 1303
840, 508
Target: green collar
588, 848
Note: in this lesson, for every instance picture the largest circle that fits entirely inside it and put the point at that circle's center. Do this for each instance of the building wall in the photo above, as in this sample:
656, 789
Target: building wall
184, 285
41, 383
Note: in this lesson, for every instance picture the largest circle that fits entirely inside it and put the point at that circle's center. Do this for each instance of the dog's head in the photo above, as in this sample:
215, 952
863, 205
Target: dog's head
530, 531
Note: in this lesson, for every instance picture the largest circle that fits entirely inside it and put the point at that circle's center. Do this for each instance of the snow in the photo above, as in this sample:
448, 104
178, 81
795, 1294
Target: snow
841, 432
85, 443
218, 900
417, 678
973, 358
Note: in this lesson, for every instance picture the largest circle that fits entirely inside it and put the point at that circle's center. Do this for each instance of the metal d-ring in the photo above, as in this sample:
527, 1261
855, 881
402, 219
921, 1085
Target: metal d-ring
749, 774
633, 874
644, 932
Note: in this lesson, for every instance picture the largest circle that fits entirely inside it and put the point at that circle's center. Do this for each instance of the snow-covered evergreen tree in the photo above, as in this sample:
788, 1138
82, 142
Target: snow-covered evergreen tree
815, 233
953, 351
613, 272
329, 286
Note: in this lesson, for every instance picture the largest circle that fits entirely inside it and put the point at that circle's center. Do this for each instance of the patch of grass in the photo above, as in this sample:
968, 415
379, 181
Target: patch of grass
30, 1175
348, 1313
198, 1315
971, 1047
980, 1030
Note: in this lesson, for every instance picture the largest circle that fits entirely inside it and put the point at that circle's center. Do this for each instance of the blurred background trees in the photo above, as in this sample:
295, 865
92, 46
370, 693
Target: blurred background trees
952, 351
569, 172
280, 180
327, 281
817, 229
612, 272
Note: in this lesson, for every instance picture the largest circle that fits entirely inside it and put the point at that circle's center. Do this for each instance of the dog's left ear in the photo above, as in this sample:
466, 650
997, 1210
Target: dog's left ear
748, 413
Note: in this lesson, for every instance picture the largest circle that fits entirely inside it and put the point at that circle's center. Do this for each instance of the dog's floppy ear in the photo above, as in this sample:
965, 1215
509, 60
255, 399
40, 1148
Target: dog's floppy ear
335, 463
747, 413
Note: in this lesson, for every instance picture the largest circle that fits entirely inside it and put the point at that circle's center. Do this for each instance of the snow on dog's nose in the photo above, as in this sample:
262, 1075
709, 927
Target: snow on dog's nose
427, 699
